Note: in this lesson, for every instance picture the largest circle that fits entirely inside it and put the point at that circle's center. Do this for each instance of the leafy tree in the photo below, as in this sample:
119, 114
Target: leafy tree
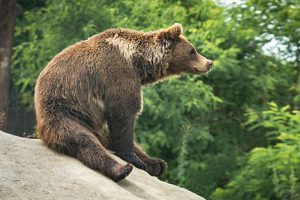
270, 172
44, 31
276, 22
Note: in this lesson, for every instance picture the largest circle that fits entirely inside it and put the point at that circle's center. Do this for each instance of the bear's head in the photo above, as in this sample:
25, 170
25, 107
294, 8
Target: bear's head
183, 56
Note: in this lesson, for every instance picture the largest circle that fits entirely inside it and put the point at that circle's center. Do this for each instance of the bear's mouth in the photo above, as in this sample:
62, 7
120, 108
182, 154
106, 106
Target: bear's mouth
198, 71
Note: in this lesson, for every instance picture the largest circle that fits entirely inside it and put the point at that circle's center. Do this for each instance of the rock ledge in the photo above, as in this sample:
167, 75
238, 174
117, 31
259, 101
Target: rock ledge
29, 170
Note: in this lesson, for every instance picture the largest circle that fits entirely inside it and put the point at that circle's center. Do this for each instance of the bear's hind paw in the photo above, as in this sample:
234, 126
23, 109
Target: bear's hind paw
121, 172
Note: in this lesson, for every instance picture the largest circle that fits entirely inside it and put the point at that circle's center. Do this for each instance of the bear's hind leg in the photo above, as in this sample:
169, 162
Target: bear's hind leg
94, 155
71, 138
155, 167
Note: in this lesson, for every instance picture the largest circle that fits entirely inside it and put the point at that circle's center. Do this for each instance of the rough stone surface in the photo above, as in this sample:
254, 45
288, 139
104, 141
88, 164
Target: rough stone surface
29, 170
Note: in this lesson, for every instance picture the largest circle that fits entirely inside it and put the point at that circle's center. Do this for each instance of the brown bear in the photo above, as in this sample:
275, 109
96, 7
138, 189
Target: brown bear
89, 95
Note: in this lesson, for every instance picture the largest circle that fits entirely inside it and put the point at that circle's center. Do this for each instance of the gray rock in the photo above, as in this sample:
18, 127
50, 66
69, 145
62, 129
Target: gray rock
29, 170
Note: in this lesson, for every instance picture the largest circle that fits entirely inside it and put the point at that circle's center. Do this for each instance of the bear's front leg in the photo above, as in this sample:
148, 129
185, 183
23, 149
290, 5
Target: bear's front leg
121, 127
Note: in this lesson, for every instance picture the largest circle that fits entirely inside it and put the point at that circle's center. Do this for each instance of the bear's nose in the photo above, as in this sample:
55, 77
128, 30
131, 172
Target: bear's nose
209, 64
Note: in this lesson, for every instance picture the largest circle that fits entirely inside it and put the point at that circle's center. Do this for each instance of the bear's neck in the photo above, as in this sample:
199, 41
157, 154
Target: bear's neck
150, 68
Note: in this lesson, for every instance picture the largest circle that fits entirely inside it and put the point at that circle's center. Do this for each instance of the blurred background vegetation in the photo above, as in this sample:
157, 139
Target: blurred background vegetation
234, 134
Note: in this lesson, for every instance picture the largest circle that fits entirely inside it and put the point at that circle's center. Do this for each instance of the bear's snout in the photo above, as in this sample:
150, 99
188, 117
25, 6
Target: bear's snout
209, 64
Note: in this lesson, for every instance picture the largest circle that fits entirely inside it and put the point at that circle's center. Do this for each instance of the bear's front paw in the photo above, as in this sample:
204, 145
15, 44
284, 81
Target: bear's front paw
156, 167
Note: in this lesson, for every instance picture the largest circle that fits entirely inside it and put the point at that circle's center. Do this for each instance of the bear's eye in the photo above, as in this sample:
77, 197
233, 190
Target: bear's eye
193, 51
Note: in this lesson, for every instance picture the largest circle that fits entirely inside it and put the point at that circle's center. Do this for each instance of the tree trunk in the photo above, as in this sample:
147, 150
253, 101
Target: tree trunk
8, 13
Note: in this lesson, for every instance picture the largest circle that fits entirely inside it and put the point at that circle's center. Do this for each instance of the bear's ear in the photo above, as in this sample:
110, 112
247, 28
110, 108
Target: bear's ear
171, 33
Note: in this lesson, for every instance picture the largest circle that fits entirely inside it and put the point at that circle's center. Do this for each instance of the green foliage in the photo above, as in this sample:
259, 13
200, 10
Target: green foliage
270, 172
41, 33
274, 21
197, 124
177, 130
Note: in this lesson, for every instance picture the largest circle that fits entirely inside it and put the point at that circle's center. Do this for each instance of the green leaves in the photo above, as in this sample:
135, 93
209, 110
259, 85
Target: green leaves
272, 172
43, 32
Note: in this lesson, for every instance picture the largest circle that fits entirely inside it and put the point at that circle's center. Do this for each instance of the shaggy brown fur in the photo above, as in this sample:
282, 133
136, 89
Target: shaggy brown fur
88, 97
